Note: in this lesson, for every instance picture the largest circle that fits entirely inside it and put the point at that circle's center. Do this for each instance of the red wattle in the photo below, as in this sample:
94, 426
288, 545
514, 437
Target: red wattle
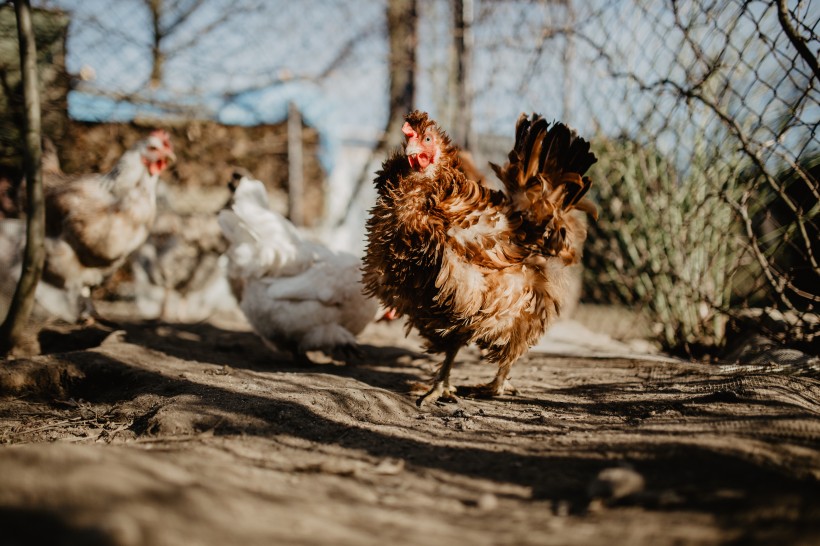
156, 167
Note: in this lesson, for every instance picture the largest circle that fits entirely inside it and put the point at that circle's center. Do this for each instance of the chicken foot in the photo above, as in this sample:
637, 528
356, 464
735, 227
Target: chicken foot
499, 386
441, 388
87, 314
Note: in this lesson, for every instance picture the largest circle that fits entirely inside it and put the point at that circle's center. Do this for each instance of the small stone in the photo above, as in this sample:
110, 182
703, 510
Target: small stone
487, 502
389, 467
616, 483
562, 509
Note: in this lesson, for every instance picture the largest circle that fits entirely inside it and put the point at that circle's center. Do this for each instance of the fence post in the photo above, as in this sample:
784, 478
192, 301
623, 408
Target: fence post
296, 183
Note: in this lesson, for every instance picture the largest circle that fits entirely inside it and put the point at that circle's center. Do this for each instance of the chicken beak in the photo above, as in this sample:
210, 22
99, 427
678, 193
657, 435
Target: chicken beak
414, 152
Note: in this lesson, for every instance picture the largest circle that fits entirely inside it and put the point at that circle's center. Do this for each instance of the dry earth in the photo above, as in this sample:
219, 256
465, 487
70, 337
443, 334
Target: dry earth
153, 433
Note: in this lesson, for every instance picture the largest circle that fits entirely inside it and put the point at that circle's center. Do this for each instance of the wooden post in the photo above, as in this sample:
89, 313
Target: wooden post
296, 182
463, 49
568, 58
34, 255
402, 32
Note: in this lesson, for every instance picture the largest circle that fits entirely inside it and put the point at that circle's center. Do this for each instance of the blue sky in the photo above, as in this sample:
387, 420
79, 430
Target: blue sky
299, 39
515, 68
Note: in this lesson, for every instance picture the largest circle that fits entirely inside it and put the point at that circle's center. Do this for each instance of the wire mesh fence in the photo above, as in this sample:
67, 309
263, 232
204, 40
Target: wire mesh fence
704, 115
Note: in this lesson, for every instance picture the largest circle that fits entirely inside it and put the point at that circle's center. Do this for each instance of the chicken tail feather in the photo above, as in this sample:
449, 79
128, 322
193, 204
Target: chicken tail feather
546, 168
545, 178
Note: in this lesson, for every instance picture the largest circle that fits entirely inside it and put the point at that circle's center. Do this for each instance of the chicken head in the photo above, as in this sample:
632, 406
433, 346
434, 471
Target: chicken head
157, 152
423, 146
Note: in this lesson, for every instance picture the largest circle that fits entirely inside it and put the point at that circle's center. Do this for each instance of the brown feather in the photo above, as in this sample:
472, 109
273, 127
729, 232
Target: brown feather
465, 263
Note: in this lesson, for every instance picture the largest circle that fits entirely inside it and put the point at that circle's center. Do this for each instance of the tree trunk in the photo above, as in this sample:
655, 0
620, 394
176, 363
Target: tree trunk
157, 56
34, 255
402, 27
568, 59
463, 51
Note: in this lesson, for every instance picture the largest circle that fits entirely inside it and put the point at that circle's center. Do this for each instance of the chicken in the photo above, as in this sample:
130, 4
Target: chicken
297, 294
469, 264
94, 222
179, 273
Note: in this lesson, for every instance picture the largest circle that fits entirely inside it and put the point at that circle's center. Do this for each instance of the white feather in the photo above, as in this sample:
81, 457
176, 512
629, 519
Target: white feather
297, 293
52, 301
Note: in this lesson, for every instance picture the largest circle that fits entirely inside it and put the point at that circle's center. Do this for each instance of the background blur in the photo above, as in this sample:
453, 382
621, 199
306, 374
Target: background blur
704, 115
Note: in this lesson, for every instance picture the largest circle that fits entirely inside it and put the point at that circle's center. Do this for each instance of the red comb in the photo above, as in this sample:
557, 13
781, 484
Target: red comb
408, 131
162, 134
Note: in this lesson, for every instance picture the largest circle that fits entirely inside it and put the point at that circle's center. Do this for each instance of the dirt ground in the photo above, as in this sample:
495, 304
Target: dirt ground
155, 433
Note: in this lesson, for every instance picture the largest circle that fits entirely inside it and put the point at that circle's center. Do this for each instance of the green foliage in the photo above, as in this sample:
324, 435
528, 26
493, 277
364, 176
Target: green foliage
667, 239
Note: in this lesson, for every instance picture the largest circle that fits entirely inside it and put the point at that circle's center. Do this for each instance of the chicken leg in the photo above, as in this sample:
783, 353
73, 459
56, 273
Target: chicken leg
499, 386
441, 386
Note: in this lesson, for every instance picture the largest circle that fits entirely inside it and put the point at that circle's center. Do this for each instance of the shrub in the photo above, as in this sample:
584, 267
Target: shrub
667, 241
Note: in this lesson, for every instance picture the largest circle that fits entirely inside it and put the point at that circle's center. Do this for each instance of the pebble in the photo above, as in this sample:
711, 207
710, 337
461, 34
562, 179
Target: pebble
487, 502
616, 483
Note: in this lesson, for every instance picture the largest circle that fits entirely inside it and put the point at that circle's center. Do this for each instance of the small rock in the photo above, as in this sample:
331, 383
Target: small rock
615, 483
595, 506
562, 509
487, 502
114, 338
224, 370
389, 467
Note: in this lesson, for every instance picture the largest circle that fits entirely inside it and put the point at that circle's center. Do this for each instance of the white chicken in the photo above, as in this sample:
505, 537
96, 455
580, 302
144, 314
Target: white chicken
297, 294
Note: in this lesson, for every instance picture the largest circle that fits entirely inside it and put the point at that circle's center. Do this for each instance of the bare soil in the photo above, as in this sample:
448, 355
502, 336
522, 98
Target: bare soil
152, 433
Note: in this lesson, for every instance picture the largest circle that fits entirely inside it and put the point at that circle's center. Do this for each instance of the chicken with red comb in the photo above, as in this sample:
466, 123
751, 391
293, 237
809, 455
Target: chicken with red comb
466, 263
94, 221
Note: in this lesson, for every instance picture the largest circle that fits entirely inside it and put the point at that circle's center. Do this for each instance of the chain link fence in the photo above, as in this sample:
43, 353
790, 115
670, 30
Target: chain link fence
709, 180
704, 115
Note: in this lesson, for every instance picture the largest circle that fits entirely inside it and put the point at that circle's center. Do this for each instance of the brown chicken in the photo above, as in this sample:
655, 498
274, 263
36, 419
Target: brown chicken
468, 264
93, 222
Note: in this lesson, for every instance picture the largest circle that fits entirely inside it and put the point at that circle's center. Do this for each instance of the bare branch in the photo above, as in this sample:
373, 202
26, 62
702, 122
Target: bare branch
796, 40
182, 16
205, 33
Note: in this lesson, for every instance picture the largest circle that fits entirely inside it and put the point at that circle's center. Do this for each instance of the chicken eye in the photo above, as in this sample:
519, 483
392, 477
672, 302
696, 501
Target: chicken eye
428, 139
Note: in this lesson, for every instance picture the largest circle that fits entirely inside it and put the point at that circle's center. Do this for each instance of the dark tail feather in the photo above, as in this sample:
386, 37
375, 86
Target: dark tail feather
547, 164
567, 152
